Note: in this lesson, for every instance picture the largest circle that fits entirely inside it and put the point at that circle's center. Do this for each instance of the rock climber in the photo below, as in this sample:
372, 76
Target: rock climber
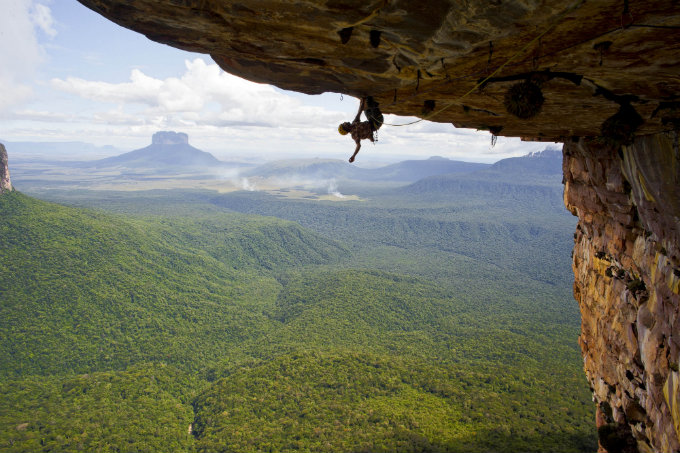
362, 130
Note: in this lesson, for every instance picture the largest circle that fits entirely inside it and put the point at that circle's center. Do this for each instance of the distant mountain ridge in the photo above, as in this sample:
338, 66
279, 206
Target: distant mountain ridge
406, 171
546, 162
413, 170
534, 174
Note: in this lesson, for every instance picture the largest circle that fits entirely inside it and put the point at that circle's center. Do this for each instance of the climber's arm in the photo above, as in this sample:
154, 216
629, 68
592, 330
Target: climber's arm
356, 151
362, 105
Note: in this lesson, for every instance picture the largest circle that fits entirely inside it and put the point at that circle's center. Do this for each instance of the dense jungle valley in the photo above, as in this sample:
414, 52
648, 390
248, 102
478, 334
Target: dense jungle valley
422, 314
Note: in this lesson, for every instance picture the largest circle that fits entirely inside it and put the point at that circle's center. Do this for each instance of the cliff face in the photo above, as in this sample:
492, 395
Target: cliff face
5, 183
627, 267
601, 76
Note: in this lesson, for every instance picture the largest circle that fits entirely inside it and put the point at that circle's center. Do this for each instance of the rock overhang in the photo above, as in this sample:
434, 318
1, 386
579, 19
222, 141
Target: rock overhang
430, 58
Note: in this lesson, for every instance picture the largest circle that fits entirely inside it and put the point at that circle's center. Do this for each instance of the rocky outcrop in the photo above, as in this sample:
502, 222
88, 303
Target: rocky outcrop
627, 266
5, 182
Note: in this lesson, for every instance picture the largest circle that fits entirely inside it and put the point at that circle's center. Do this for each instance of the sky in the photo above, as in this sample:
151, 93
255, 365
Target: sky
68, 74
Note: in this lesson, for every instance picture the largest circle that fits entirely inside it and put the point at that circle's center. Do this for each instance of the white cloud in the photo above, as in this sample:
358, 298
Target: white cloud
20, 50
141, 89
203, 95
41, 16
43, 116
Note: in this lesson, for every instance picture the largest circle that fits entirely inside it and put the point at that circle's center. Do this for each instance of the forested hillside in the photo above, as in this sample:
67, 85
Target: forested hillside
397, 323
84, 291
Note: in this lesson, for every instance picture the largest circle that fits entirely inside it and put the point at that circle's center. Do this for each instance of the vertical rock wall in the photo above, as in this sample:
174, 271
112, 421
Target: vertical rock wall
626, 263
5, 183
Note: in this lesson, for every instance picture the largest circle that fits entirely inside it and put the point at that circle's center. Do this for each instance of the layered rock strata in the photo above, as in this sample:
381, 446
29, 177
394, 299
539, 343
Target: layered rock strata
626, 263
5, 182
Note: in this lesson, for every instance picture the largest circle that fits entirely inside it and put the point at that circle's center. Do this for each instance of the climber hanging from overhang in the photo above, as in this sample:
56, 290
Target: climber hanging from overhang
362, 130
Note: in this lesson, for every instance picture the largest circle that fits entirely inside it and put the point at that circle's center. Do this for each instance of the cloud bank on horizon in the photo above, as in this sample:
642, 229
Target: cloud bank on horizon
68, 82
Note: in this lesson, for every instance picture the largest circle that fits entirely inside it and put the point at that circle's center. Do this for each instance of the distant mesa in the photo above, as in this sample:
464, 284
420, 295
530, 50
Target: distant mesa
168, 149
169, 138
